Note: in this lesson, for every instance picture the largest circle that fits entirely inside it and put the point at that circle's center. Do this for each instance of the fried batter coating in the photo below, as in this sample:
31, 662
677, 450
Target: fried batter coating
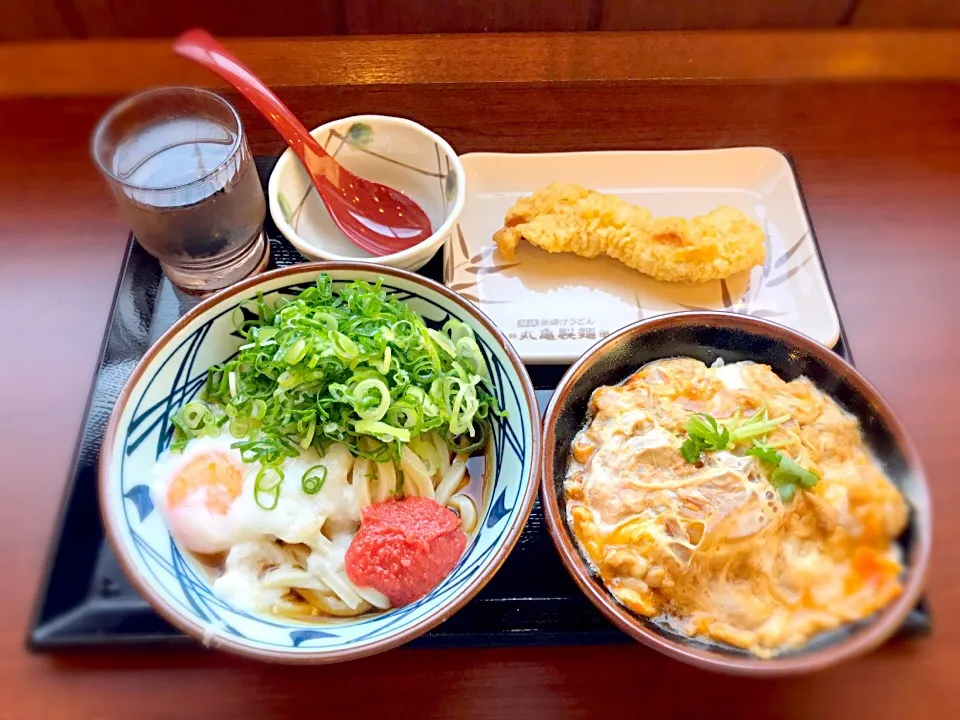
568, 218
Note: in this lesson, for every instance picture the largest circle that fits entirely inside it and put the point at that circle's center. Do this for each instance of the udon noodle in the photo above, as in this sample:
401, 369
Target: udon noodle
289, 561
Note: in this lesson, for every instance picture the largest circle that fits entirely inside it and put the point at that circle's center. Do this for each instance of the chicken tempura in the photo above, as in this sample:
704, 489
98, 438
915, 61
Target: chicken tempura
568, 218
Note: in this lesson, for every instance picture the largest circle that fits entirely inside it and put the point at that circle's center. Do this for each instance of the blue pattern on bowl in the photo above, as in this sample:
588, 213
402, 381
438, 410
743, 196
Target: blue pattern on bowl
176, 375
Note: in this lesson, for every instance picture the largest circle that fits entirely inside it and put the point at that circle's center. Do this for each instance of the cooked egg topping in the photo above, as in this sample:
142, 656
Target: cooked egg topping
710, 547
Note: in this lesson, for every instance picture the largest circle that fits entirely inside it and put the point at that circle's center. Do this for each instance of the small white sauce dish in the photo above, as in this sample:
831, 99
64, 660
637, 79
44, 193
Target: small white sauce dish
393, 151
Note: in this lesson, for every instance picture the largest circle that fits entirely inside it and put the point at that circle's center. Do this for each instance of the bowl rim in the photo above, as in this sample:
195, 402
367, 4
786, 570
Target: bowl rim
883, 624
520, 514
315, 251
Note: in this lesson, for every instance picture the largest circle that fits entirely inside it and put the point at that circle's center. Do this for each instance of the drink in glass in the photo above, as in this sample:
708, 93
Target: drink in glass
180, 167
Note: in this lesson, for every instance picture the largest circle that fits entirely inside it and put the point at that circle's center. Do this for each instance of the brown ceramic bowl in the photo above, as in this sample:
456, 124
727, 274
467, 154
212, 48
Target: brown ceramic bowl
708, 336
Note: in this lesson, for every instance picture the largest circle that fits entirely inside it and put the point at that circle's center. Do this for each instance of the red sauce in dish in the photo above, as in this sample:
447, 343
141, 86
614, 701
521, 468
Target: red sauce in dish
404, 548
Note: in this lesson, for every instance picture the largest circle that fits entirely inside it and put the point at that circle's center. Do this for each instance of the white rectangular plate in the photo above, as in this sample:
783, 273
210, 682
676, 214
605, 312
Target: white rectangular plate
555, 306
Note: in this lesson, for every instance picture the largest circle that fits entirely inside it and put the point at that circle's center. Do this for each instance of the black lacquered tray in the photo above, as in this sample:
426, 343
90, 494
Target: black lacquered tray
86, 600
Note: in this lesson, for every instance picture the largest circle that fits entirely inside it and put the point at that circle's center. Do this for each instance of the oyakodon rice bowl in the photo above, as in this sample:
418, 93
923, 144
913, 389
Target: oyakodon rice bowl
735, 495
320, 463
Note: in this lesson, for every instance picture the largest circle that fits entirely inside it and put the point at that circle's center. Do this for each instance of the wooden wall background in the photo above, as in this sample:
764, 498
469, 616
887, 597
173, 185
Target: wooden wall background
52, 19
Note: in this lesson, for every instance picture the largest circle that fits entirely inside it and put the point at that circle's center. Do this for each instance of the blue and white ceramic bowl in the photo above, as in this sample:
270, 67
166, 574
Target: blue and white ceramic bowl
172, 373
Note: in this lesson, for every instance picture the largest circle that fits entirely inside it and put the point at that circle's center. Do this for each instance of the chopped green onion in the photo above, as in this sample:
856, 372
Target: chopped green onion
382, 431
404, 414
384, 365
267, 485
313, 479
363, 406
193, 414
443, 342
353, 365
344, 347
195, 419
296, 352
469, 353
457, 330
258, 409
308, 434
238, 427
468, 446
329, 321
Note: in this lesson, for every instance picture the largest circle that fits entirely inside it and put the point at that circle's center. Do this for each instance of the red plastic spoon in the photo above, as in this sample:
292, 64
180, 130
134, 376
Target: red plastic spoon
375, 217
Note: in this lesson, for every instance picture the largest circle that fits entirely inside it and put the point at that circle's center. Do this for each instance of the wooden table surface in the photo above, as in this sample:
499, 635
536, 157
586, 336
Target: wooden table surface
872, 121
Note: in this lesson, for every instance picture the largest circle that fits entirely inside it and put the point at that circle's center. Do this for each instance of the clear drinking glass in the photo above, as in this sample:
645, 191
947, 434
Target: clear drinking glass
179, 165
